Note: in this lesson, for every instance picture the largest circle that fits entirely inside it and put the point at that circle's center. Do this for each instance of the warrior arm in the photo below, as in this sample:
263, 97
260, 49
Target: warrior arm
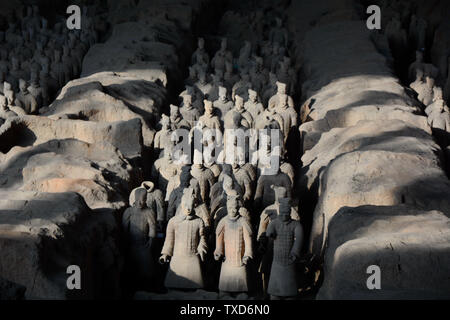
159, 201
220, 233
202, 245
248, 190
298, 232
262, 229
247, 233
170, 239
271, 231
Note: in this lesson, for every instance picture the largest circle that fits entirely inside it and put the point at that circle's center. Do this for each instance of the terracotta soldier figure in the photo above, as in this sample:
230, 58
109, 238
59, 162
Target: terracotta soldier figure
25, 100
288, 114
155, 202
234, 248
163, 137
222, 104
265, 195
5, 112
176, 119
252, 105
222, 56
287, 243
140, 229
185, 246
241, 114
205, 178
209, 118
200, 53
188, 112
281, 91
265, 244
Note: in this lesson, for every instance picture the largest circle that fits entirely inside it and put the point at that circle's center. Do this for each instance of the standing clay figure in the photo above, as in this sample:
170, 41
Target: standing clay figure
140, 229
287, 243
58, 71
188, 112
5, 112
439, 118
217, 81
278, 34
437, 98
281, 91
155, 202
200, 54
25, 100
238, 114
11, 100
425, 92
15, 73
244, 55
222, 56
266, 244
163, 137
234, 248
241, 87
229, 77
184, 247
265, 195
417, 31
288, 114
176, 119
222, 104
418, 64
253, 106
205, 178
202, 84
175, 197
243, 180
258, 75
35, 90
209, 118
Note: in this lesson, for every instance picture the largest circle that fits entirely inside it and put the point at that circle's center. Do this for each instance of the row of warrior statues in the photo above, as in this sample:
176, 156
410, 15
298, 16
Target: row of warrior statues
214, 214
36, 61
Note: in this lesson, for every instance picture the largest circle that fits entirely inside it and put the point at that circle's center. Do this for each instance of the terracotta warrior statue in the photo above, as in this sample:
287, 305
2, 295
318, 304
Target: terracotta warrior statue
209, 118
163, 137
233, 248
288, 114
176, 119
5, 112
265, 244
25, 100
188, 111
437, 98
185, 246
11, 100
281, 91
222, 104
253, 105
140, 229
200, 53
222, 56
287, 235
154, 201
439, 118
265, 194
205, 178
234, 118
